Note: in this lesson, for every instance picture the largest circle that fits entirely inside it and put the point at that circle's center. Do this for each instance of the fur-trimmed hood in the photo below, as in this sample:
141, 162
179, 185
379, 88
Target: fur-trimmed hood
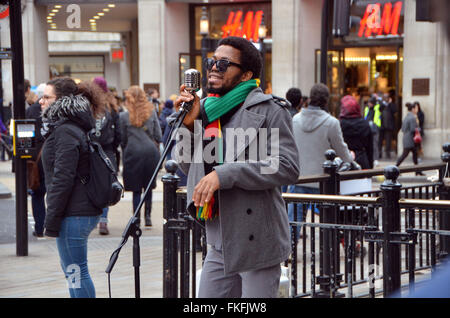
68, 108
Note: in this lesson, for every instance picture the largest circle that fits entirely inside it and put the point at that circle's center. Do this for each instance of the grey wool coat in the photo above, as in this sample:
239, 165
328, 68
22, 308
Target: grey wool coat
254, 227
409, 126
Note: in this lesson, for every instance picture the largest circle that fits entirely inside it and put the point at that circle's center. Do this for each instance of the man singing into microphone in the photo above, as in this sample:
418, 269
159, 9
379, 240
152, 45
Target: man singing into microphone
247, 227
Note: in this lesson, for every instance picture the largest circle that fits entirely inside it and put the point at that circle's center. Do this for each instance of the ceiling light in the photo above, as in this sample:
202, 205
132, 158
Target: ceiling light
49, 21
91, 20
49, 18
106, 9
111, 5
101, 14
96, 17
57, 6
55, 10
51, 14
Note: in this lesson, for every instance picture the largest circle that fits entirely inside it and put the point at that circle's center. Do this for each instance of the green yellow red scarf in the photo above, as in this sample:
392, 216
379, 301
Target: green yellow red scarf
215, 107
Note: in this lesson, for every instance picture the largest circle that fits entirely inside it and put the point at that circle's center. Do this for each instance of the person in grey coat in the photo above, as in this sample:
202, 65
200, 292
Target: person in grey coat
238, 194
315, 131
409, 126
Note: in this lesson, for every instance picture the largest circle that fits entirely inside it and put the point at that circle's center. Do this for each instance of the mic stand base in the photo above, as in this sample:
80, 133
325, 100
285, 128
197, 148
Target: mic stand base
133, 229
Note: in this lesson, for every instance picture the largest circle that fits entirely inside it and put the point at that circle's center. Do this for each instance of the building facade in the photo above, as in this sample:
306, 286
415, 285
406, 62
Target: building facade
161, 38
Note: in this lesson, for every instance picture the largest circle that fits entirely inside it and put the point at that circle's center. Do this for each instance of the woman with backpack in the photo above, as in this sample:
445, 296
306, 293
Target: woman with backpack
141, 135
71, 216
107, 128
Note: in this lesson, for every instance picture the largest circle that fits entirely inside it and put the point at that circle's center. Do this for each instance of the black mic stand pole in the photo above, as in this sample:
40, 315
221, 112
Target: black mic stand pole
132, 228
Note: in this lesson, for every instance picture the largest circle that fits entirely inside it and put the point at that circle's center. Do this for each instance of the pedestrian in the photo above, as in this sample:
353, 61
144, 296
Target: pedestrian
141, 135
71, 216
372, 113
30, 96
387, 124
240, 201
38, 194
107, 128
421, 119
409, 126
153, 97
315, 131
294, 96
166, 112
356, 132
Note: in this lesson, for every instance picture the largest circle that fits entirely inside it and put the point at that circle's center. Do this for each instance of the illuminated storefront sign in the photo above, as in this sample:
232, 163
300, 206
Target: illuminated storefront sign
4, 11
380, 20
248, 29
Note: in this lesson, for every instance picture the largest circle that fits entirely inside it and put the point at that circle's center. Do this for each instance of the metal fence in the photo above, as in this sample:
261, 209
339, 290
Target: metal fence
360, 245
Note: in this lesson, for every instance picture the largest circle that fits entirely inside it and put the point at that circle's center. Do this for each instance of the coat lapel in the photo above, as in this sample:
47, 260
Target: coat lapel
247, 123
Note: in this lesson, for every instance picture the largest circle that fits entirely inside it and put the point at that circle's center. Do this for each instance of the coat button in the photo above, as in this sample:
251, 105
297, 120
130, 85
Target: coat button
249, 211
251, 237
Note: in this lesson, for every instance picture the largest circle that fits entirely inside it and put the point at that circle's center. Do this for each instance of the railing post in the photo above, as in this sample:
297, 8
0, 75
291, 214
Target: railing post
170, 269
444, 194
391, 224
327, 279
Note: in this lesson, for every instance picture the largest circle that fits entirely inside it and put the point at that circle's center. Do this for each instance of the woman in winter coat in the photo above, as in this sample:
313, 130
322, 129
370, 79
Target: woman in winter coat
409, 126
107, 128
70, 214
356, 131
141, 135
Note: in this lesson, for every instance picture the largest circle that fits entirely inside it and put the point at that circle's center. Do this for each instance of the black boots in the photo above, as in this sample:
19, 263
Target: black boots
148, 211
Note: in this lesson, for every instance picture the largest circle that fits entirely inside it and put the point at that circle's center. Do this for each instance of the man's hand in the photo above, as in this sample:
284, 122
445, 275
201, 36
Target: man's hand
205, 189
194, 112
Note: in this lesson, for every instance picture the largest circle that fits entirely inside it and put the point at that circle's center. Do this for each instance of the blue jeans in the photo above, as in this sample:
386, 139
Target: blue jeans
38, 207
72, 248
300, 216
104, 217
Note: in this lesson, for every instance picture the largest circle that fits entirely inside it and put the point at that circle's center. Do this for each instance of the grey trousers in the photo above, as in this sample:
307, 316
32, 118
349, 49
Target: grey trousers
262, 283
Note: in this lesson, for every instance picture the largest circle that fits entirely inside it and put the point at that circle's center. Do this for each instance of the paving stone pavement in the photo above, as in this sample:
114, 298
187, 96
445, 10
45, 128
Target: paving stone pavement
39, 274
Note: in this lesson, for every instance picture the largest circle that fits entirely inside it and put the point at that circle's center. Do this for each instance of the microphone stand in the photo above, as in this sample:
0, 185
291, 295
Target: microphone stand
132, 228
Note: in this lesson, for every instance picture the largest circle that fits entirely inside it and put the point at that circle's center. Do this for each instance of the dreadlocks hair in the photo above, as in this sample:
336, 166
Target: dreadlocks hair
250, 56
63, 86
95, 96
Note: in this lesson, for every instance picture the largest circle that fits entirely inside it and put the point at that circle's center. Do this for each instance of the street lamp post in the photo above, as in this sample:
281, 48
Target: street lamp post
262, 32
204, 32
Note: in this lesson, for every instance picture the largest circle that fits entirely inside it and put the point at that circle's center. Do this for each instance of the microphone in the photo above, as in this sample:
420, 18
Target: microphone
192, 83
192, 80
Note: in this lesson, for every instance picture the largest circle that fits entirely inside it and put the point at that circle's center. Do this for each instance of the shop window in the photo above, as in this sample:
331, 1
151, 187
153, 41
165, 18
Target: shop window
80, 68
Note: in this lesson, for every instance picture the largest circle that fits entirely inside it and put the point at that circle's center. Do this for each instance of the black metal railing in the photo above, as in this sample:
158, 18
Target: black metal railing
362, 244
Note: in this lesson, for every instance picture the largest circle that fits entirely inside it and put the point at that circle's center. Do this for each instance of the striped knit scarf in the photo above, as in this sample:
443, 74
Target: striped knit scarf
216, 107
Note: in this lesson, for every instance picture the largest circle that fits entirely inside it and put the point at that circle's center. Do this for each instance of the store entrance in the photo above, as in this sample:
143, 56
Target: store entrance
362, 72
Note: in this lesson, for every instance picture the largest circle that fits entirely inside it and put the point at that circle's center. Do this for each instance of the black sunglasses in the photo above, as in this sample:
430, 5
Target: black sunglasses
221, 65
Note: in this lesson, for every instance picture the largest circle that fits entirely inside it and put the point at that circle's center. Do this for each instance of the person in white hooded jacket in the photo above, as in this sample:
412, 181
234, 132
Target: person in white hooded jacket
315, 131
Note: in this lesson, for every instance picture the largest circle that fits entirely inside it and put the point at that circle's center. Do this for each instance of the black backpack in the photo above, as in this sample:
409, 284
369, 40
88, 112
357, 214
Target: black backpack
103, 187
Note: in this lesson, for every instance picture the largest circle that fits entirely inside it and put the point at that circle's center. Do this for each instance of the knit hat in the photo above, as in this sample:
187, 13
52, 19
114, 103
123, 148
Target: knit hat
100, 81
349, 107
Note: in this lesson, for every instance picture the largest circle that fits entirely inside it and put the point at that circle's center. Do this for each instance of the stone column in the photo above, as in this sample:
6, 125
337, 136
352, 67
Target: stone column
426, 55
151, 42
296, 29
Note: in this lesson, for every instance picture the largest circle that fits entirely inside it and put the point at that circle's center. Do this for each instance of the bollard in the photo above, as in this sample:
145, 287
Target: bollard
170, 258
444, 194
328, 278
391, 224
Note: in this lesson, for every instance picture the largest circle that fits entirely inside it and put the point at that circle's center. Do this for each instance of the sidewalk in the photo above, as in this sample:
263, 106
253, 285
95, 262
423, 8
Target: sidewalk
39, 275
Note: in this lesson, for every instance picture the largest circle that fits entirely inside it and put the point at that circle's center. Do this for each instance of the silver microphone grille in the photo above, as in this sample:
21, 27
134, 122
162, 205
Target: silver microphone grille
192, 80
